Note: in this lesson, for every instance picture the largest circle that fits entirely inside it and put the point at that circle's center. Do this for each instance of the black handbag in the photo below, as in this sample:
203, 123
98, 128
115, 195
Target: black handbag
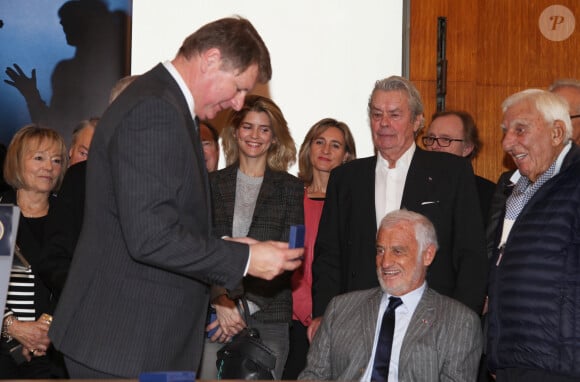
246, 357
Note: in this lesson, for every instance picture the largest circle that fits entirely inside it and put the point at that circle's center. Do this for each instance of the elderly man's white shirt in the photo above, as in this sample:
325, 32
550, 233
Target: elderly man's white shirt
390, 183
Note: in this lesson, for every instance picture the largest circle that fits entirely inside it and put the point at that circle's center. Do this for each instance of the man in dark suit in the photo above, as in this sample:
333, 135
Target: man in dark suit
435, 338
454, 132
438, 185
137, 293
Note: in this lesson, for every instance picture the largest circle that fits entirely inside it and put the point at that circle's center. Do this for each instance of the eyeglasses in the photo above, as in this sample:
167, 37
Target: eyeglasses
441, 141
575, 116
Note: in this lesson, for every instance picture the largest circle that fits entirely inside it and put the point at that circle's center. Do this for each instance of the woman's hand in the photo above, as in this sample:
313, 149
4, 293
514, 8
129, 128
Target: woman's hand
229, 319
32, 335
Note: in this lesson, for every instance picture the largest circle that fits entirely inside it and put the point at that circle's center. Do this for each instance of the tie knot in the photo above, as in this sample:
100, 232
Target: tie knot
394, 303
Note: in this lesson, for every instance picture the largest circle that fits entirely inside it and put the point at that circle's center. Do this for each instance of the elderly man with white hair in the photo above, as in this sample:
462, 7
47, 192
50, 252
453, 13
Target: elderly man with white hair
402, 330
534, 286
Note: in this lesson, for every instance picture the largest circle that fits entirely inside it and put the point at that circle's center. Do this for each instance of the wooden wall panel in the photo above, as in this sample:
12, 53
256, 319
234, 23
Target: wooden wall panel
494, 49
423, 40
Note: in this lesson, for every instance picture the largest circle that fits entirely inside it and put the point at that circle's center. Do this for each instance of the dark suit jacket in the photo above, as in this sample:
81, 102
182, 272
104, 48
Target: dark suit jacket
279, 205
439, 186
442, 342
485, 191
65, 219
137, 292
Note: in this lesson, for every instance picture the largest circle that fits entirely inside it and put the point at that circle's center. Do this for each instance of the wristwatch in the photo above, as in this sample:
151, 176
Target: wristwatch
8, 321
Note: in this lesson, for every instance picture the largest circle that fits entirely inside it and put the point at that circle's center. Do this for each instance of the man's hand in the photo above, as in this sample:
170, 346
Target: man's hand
312, 328
271, 258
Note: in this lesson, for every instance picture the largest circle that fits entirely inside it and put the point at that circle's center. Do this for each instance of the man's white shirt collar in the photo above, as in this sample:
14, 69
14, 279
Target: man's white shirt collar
403, 162
182, 85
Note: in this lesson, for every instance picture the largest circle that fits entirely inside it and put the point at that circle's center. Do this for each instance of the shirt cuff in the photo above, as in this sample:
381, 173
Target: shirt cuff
248, 263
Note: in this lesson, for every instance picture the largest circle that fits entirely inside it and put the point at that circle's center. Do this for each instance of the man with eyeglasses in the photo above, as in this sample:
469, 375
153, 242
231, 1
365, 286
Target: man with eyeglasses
455, 132
400, 175
569, 89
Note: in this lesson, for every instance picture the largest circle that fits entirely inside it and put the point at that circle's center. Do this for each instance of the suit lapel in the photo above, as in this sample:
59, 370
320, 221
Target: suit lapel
366, 189
368, 320
418, 183
422, 320
192, 131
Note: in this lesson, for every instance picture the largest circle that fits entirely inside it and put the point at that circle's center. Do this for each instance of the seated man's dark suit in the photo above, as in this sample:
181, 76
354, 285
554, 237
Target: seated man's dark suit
440, 186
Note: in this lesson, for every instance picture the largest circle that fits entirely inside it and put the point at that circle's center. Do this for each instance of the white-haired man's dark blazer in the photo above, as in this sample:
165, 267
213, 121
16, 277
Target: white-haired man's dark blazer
443, 341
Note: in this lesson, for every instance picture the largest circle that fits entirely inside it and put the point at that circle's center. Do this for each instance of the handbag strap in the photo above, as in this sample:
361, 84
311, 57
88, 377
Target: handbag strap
244, 310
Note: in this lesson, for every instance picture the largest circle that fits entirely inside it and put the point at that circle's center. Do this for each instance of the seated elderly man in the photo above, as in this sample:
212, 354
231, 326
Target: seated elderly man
403, 330
534, 289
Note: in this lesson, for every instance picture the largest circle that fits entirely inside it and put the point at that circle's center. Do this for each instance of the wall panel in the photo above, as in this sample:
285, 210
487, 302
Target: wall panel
494, 49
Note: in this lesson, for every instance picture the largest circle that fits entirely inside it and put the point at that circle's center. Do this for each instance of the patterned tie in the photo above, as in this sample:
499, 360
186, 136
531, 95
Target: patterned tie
385, 343
523, 192
518, 199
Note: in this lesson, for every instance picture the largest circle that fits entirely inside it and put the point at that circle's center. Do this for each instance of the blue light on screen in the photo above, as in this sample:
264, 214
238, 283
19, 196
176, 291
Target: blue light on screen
32, 37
